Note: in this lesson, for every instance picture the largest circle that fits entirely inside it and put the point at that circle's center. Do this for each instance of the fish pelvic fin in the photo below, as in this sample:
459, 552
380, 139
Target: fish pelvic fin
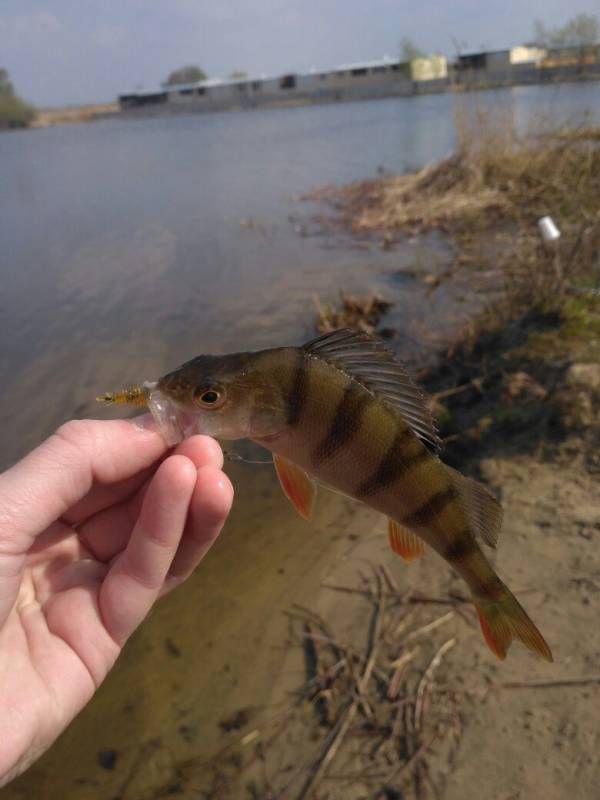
503, 620
297, 486
404, 542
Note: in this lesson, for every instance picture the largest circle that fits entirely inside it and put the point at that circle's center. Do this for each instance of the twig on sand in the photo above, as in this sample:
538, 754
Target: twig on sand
320, 622
430, 626
345, 719
561, 683
388, 578
426, 680
399, 665
385, 779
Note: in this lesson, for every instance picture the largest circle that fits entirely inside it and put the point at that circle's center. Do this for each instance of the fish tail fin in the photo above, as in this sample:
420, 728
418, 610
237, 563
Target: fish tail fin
503, 619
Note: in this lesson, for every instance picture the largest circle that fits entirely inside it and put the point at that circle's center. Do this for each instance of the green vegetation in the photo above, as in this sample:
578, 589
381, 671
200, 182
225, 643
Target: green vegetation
14, 112
189, 74
409, 50
579, 31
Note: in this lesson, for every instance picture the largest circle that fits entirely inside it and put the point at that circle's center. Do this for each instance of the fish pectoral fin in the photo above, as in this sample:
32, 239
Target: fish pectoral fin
297, 486
483, 511
404, 542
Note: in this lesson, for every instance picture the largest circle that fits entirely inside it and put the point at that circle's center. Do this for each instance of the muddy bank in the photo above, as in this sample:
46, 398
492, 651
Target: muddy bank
387, 679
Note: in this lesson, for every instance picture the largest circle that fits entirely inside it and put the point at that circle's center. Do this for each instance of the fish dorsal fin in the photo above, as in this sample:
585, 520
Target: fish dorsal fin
298, 487
366, 359
483, 511
404, 542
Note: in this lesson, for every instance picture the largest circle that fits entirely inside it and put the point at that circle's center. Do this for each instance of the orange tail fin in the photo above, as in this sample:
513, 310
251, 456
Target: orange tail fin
504, 620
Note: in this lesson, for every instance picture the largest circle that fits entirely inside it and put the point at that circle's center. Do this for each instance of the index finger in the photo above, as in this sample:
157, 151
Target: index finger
61, 471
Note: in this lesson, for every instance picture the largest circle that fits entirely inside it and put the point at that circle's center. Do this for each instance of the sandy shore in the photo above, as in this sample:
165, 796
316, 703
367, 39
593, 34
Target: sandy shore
68, 115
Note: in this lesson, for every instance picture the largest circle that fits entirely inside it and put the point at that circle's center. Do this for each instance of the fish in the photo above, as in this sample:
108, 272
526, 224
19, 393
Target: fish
343, 412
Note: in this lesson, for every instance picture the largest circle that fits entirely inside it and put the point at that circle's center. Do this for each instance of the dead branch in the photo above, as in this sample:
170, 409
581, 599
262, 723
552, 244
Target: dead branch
427, 679
336, 736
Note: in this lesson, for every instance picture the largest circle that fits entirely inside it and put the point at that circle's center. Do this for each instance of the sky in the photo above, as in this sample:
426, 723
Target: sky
84, 51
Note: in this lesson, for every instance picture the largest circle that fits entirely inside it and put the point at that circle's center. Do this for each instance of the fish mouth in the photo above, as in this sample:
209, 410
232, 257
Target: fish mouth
174, 423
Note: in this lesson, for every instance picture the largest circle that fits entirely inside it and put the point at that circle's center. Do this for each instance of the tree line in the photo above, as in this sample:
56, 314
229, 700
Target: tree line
14, 112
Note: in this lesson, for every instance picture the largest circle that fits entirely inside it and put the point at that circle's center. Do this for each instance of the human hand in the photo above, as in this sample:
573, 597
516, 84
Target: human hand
95, 525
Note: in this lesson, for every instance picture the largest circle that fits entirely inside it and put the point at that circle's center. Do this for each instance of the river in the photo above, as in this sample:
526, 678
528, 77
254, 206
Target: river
129, 246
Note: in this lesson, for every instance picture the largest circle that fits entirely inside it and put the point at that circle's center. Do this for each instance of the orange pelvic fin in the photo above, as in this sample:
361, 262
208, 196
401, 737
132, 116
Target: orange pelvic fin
504, 620
404, 542
297, 486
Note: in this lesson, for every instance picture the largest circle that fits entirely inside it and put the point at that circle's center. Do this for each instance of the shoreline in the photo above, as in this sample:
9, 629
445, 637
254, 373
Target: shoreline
96, 112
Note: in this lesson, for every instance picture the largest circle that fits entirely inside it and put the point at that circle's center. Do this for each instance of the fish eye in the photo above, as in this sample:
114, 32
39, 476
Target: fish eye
209, 397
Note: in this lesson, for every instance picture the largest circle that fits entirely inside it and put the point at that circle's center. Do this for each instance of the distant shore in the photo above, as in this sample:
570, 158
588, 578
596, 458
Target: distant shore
67, 115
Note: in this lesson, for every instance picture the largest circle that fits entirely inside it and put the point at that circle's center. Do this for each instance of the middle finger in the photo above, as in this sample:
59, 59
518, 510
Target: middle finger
107, 532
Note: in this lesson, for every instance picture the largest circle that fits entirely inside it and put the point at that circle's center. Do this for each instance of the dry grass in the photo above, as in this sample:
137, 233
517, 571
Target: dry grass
488, 197
361, 313
494, 175
46, 117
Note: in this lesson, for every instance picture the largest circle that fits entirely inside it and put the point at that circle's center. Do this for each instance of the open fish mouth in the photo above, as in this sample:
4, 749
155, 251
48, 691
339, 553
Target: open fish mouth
174, 423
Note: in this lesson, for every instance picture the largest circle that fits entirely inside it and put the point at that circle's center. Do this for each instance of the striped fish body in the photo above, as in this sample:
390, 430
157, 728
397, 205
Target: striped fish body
350, 439
341, 409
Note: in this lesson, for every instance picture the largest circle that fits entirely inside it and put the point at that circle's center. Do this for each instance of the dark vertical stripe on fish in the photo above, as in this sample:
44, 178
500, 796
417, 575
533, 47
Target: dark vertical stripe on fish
345, 424
427, 513
393, 464
460, 548
298, 390
492, 587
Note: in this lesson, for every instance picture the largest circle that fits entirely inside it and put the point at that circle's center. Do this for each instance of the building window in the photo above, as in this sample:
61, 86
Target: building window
201, 90
256, 85
323, 76
360, 71
287, 82
186, 91
379, 69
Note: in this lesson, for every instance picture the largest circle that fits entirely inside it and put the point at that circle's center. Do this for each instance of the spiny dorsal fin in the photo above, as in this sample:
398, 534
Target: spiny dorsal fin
367, 360
403, 542
481, 507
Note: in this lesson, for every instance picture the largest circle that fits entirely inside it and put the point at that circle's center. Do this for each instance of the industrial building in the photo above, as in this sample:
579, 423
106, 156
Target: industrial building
386, 77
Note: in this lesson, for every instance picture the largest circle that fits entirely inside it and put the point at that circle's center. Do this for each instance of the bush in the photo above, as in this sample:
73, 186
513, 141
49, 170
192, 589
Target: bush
14, 112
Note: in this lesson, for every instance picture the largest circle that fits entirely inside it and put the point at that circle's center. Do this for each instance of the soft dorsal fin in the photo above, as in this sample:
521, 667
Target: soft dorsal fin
483, 511
367, 360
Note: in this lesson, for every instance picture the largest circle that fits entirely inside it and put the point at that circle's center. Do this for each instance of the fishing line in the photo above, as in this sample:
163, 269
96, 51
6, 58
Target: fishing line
229, 456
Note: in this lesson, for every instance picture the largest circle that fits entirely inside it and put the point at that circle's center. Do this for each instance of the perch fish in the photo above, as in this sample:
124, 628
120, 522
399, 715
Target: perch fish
341, 410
